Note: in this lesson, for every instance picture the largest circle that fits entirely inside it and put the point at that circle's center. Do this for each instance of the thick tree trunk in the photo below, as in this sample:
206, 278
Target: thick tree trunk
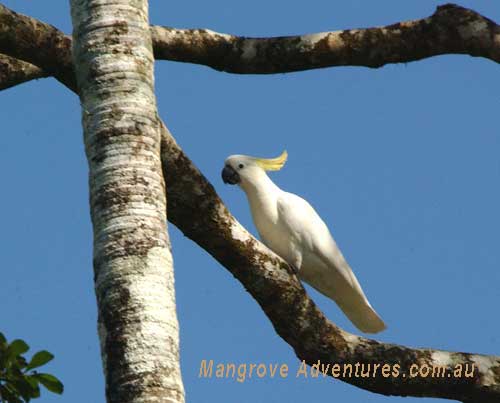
133, 266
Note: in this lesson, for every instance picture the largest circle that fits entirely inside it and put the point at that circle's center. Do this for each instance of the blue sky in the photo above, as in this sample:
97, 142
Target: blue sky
401, 162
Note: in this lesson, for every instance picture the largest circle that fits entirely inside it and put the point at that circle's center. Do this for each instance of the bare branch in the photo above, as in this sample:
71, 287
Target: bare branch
196, 209
450, 30
14, 72
37, 43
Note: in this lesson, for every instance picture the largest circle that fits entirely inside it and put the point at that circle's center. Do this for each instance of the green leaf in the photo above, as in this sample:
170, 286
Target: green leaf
50, 382
39, 359
24, 388
35, 389
17, 347
3, 340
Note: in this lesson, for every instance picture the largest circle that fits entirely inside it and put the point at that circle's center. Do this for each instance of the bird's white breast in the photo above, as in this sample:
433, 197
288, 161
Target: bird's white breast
272, 231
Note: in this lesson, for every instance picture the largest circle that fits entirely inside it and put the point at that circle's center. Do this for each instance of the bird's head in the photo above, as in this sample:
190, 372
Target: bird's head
242, 169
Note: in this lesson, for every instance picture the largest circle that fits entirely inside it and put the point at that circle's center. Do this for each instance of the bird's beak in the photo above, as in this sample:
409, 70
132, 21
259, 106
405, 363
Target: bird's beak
229, 175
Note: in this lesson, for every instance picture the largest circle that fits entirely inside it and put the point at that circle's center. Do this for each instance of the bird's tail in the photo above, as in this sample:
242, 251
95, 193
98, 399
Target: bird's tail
362, 315
343, 287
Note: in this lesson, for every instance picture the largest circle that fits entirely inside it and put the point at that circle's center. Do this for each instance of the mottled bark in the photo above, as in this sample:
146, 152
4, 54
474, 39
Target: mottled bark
133, 268
14, 71
36, 42
451, 29
197, 210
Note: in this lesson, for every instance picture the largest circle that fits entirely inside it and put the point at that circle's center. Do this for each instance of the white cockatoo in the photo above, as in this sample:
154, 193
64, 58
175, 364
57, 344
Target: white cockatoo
290, 227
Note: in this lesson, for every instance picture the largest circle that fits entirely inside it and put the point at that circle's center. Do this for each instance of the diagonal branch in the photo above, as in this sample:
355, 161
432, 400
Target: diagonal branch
196, 209
450, 30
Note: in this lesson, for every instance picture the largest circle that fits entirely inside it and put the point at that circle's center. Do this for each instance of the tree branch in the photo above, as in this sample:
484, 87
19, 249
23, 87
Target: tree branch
195, 208
450, 30
38, 43
14, 71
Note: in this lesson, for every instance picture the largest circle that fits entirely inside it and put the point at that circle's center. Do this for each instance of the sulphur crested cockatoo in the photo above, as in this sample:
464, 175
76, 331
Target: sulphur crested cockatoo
289, 226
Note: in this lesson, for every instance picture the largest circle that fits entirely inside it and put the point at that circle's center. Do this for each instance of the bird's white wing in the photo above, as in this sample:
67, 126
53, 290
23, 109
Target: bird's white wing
322, 264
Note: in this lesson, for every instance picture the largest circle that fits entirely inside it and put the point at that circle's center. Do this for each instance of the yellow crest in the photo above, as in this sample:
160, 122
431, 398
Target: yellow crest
272, 164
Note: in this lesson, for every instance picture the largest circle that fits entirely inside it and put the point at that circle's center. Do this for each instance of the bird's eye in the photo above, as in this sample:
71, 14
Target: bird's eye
240, 166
